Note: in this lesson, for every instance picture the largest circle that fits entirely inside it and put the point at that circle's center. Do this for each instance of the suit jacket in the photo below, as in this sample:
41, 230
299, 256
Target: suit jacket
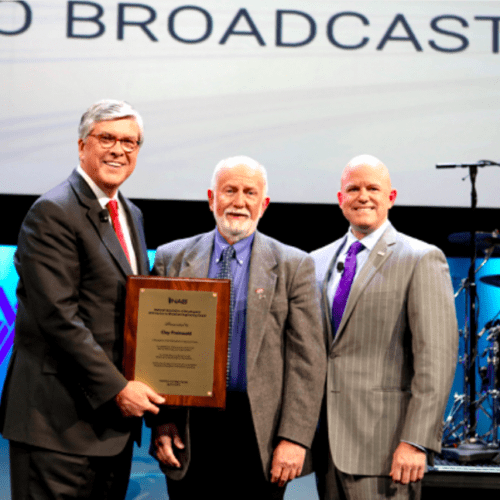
392, 361
66, 363
286, 360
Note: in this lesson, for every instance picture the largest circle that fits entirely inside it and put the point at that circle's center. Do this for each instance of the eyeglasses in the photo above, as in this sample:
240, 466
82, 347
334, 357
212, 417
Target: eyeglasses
107, 141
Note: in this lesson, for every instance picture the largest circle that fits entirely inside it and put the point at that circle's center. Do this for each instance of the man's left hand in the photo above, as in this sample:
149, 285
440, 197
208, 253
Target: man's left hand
288, 460
408, 464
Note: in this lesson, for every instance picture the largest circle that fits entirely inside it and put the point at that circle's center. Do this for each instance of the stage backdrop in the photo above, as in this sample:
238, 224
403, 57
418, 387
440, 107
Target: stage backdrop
301, 85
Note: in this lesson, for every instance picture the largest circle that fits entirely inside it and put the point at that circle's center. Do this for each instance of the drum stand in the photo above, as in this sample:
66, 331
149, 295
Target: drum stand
467, 446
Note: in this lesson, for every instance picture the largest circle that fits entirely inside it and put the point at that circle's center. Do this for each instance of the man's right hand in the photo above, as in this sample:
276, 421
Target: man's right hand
136, 398
165, 435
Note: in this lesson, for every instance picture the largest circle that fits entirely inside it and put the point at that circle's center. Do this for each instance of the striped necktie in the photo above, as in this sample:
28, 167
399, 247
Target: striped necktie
225, 273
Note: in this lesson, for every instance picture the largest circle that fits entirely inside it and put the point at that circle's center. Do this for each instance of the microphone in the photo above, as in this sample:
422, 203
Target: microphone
448, 165
340, 267
480, 163
104, 215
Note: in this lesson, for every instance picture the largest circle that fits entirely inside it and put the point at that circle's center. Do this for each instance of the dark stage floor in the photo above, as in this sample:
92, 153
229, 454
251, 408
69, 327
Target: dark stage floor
446, 480
147, 482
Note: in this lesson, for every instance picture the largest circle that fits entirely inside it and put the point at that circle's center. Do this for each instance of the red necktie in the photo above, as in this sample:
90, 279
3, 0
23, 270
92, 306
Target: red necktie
115, 220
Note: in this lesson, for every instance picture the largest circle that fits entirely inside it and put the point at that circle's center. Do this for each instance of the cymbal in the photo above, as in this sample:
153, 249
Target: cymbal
493, 279
483, 240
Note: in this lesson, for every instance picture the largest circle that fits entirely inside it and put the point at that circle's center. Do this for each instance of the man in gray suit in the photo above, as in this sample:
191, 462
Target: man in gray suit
66, 407
277, 358
391, 336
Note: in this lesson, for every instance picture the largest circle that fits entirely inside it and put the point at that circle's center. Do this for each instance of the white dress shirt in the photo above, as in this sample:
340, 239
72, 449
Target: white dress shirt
104, 200
368, 242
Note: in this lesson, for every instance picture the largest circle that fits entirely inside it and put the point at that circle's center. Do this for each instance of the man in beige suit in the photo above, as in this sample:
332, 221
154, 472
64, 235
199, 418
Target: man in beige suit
277, 360
391, 337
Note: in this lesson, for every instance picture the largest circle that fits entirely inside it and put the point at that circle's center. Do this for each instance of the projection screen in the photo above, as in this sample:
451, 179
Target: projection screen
302, 86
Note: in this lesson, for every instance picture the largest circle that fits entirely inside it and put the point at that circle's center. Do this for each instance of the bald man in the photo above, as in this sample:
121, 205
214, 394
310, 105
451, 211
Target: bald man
391, 337
277, 358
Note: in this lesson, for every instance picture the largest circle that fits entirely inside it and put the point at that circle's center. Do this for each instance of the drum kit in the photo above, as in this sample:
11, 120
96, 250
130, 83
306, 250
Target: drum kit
463, 440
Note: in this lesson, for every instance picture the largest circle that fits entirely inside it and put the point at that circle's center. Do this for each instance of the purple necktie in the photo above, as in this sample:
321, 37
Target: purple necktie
345, 283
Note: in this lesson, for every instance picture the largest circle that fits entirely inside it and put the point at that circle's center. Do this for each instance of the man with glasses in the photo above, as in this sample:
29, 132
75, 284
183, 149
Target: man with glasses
69, 413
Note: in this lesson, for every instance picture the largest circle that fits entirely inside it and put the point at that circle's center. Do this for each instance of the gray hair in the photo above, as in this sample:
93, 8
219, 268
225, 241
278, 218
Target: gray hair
234, 161
108, 109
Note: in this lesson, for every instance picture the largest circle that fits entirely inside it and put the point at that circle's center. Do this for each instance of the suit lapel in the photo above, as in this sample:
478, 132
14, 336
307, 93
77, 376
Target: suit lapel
327, 310
261, 287
137, 235
104, 230
380, 253
197, 261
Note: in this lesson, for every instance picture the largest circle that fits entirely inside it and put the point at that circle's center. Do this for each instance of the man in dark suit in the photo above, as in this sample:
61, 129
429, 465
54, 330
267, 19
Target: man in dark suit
277, 358
66, 407
392, 347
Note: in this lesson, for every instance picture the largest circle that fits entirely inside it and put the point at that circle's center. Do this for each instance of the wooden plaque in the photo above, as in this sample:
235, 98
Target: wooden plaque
176, 338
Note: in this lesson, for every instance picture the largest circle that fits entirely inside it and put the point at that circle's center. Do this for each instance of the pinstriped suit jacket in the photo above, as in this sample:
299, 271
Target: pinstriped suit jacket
392, 362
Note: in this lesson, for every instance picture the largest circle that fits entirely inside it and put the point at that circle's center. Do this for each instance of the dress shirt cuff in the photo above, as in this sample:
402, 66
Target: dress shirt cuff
294, 442
421, 448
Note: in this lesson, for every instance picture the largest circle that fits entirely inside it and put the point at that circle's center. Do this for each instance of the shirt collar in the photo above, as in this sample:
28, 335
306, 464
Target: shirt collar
242, 248
370, 240
101, 196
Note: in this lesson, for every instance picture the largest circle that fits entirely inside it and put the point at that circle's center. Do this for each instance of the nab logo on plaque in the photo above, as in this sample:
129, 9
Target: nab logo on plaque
177, 301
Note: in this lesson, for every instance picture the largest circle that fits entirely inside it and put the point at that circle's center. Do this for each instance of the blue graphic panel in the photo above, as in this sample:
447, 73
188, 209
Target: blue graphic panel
487, 311
151, 257
8, 303
8, 306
